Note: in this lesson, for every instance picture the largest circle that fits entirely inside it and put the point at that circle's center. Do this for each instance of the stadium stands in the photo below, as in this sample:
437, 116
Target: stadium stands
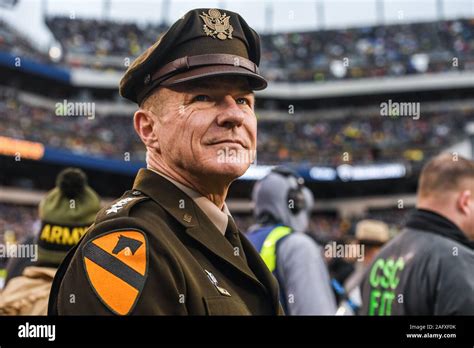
21, 220
377, 51
99, 37
13, 42
365, 139
17, 218
368, 139
77, 134
373, 51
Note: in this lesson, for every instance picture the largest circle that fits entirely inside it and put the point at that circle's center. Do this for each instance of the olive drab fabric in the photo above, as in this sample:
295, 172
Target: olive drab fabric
204, 42
154, 252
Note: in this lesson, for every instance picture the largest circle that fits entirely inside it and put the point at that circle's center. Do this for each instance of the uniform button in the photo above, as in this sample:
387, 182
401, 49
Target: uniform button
136, 193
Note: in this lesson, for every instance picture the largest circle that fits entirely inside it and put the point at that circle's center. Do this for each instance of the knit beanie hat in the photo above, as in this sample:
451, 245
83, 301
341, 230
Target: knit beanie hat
65, 213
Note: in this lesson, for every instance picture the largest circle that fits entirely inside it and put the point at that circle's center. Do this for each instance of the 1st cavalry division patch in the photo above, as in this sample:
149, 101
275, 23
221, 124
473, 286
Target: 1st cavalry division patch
116, 266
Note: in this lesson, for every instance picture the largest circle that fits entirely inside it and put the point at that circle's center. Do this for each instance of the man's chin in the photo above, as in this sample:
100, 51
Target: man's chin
231, 171
226, 162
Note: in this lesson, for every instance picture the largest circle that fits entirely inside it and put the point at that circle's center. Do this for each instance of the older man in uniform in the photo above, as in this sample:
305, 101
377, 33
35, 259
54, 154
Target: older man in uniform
169, 246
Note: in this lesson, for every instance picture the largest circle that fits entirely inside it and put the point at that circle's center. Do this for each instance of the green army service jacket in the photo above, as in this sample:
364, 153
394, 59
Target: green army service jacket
154, 252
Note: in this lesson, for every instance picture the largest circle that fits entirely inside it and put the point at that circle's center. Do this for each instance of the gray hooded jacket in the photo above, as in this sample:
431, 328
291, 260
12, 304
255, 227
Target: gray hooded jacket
303, 275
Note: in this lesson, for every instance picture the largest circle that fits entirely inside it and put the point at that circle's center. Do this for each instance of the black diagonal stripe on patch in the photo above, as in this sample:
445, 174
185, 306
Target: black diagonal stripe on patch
114, 266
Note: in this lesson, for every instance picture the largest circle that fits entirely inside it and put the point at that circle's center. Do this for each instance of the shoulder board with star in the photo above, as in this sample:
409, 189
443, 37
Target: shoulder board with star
122, 206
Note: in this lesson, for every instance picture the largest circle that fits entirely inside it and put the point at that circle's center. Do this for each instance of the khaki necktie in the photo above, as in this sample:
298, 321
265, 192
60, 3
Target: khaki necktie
232, 235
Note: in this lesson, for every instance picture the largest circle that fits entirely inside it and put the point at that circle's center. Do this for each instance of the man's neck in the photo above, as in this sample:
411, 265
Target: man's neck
436, 207
215, 193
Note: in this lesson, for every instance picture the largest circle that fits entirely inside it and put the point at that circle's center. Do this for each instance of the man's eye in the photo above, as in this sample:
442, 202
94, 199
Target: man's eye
243, 101
201, 98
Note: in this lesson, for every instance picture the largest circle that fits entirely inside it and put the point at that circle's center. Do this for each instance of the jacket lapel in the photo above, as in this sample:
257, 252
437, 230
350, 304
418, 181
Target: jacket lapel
197, 224
210, 238
261, 271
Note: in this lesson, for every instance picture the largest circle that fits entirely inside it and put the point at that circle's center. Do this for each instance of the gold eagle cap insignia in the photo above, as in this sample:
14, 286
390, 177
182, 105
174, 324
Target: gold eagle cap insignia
217, 25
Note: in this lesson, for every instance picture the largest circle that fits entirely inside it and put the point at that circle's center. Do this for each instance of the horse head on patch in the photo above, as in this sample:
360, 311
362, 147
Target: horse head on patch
125, 242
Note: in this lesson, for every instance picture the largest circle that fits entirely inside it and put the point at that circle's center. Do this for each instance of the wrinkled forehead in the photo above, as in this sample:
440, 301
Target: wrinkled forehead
218, 84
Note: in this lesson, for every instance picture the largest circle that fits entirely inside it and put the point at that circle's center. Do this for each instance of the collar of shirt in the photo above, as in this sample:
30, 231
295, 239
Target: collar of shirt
218, 217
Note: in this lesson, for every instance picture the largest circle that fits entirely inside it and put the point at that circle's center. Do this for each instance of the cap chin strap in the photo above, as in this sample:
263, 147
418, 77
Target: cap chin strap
189, 62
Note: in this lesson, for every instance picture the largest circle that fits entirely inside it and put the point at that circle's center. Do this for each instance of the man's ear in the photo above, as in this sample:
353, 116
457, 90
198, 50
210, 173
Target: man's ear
144, 124
463, 202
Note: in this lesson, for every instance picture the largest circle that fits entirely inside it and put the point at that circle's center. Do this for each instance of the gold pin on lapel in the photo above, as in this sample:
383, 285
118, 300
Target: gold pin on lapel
187, 217
213, 280
222, 291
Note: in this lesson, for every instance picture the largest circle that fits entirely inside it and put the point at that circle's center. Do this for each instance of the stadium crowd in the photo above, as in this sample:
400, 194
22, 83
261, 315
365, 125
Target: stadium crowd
77, 134
350, 139
16, 44
376, 51
372, 51
22, 221
16, 222
102, 38
365, 139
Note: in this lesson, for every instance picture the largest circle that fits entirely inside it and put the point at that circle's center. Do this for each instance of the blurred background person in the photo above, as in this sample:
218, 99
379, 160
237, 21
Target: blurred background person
15, 266
282, 208
9, 238
429, 268
65, 212
372, 235
340, 268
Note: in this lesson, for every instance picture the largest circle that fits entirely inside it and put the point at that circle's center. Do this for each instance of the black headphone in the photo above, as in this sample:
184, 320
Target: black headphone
295, 196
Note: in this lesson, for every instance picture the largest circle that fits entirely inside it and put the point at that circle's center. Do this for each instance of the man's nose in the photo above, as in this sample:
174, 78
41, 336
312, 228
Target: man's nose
230, 115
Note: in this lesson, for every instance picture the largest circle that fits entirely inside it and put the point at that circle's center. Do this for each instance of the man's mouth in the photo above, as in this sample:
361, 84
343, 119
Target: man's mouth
228, 142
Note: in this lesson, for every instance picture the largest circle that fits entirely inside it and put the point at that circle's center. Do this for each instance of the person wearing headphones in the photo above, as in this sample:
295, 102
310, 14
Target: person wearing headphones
282, 209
